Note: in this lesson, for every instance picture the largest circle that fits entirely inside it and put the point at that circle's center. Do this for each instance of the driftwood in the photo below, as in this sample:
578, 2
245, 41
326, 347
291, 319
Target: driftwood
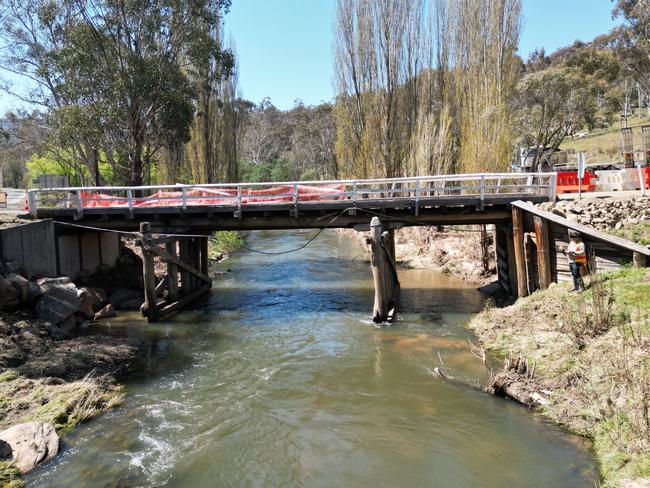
516, 381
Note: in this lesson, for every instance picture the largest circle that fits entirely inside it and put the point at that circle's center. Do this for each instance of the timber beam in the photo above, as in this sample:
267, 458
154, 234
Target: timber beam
187, 256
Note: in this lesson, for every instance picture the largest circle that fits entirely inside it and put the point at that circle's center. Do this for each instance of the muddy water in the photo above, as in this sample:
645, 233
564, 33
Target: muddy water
279, 379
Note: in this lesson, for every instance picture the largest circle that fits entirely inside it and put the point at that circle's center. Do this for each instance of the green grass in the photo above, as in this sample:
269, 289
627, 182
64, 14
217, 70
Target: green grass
639, 233
9, 476
225, 242
604, 145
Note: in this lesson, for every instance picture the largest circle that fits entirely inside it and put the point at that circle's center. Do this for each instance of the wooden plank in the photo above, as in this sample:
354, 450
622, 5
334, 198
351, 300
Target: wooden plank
501, 240
179, 262
518, 244
543, 253
583, 229
205, 256
179, 304
183, 248
150, 303
172, 272
639, 260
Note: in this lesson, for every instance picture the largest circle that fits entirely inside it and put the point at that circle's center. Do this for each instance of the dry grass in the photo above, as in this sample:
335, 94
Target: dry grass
591, 353
604, 145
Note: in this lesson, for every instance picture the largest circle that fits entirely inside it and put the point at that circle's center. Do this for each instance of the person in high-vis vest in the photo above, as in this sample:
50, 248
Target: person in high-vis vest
577, 256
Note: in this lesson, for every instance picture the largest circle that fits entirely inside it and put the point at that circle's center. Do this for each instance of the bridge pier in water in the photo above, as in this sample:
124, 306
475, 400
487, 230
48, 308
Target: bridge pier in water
184, 255
384, 271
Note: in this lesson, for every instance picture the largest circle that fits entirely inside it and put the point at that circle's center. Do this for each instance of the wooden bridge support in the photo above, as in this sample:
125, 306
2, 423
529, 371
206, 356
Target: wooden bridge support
518, 248
187, 256
505, 259
384, 272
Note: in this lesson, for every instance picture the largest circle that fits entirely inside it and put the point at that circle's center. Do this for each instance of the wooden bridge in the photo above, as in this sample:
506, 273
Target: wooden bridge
174, 221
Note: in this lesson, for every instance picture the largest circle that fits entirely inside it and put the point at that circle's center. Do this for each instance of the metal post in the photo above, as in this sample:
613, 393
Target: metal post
129, 196
184, 192
417, 197
295, 200
31, 198
80, 208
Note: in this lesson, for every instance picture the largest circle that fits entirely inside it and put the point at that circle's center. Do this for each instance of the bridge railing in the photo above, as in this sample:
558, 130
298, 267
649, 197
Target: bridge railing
411, 190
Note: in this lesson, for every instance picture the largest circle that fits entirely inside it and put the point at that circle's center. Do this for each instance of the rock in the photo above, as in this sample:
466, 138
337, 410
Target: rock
96, 296
86, 305
69, 324
122, 295
58, 301
5, 450
9, 295
106, 312
21, 284
14, 267
31, 444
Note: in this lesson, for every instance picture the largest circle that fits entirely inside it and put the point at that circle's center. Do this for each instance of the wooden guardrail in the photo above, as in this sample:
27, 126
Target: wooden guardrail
295, 193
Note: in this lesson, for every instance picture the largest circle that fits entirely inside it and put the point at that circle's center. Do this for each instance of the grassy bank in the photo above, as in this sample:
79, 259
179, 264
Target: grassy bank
639, 233
63, 404
224, 243
604, 145
586, 358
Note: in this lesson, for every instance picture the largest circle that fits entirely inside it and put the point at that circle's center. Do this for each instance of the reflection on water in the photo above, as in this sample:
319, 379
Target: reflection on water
279, 378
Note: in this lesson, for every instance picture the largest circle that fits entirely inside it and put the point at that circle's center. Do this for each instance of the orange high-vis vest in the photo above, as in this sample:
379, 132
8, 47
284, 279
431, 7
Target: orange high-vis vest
578, 251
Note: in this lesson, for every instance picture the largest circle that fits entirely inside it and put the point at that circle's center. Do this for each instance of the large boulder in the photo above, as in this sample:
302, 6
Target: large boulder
21, 284
92, 300
9, 295
58, 301
31, 444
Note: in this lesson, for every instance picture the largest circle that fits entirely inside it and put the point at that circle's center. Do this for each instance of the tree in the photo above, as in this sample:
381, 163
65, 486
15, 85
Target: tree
110, 74
551, 103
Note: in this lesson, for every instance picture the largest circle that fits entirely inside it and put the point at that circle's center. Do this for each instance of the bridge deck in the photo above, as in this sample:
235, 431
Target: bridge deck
432, 200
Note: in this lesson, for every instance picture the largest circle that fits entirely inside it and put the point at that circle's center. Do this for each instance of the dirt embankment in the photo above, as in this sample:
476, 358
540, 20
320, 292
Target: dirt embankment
461, 252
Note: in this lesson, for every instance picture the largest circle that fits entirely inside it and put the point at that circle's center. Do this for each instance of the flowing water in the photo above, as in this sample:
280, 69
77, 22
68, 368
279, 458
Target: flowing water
280, 379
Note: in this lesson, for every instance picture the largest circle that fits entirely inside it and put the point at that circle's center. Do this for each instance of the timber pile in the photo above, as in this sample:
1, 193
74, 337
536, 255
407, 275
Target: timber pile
187, 256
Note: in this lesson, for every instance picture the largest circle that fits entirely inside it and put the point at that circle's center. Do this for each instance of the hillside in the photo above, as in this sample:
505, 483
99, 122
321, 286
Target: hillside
604, 145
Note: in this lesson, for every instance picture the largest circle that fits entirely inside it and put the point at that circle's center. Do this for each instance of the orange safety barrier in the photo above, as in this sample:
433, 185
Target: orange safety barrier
568, 182
218, 196
646, 176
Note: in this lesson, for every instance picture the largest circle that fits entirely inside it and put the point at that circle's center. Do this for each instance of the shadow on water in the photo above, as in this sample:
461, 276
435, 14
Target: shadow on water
279, 378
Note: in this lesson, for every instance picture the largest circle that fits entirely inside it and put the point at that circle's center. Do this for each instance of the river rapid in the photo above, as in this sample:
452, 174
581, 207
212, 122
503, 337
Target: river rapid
279, 378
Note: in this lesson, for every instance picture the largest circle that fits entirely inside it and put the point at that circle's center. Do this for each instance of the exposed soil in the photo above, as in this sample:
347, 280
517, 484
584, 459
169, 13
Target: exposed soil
455, 251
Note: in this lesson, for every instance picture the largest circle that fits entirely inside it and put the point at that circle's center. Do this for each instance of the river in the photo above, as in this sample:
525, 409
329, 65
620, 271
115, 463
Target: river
279, 378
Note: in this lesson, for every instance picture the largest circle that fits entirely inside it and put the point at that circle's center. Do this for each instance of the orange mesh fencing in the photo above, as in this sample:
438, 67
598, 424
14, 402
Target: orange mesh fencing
217, 196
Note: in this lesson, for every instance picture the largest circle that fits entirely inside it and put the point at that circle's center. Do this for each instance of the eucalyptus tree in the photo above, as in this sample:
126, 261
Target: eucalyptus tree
111, 74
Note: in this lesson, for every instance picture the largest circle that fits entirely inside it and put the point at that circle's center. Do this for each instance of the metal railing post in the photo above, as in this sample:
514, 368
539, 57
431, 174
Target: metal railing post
417, 197
129, 196
239, 211
184, 196
31, 199
80, 207
482, 190
295, 200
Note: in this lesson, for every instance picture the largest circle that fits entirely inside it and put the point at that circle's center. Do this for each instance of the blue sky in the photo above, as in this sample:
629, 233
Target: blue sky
285, 46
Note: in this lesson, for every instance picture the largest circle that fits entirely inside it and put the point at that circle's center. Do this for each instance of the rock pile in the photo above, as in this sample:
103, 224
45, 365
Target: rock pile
605, 214
58, 300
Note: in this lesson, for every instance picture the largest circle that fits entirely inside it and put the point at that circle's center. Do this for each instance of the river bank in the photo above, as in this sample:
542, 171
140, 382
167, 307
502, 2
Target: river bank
461, 252
56, 369
583, 361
